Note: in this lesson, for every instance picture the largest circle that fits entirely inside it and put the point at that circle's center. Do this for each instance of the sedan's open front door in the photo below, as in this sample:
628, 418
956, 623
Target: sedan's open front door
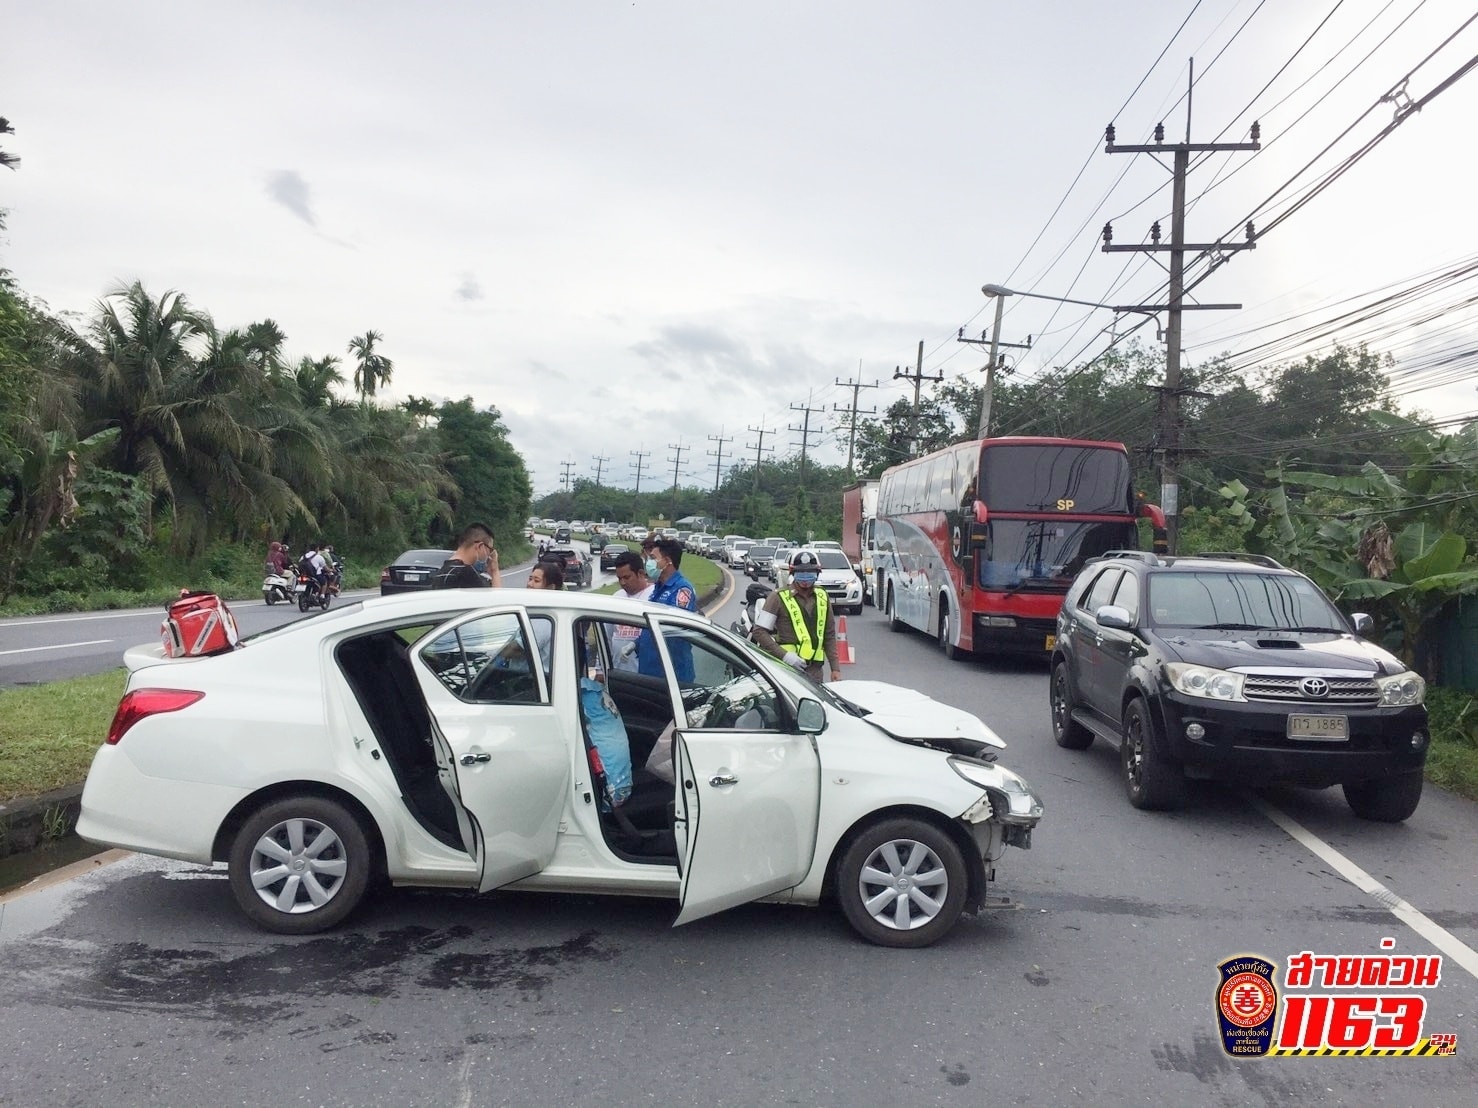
748, 785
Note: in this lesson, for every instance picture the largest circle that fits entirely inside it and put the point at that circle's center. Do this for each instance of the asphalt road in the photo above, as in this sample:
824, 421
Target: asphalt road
140, 983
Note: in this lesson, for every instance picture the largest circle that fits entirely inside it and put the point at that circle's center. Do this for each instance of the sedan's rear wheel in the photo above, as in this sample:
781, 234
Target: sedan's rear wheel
902, 882
300, 865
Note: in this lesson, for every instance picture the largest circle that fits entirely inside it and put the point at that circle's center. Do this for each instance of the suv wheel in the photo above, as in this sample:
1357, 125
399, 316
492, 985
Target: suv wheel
1067, 732
1151, 782
1388, 800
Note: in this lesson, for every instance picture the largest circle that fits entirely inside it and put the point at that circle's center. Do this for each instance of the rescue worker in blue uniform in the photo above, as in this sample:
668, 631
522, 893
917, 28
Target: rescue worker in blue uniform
797, 623
674, 589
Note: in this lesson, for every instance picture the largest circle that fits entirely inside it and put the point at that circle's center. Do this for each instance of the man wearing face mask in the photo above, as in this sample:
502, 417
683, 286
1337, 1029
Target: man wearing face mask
671, 588
797, 624
475, 556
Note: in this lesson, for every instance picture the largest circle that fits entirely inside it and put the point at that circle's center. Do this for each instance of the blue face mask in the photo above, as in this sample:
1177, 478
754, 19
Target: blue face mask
652, 570
480, 565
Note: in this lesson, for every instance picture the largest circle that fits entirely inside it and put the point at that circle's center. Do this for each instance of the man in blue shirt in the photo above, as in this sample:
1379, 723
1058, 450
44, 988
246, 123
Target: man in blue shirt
674, 589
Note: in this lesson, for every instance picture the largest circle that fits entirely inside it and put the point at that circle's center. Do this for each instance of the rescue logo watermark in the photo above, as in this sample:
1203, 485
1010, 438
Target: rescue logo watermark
1330, 1005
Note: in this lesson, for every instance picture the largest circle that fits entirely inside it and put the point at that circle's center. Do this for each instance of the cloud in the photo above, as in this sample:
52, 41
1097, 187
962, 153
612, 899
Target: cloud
287, 187
469, 289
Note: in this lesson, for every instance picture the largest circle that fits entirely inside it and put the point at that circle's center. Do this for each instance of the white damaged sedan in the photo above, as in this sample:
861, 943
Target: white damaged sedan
454, 738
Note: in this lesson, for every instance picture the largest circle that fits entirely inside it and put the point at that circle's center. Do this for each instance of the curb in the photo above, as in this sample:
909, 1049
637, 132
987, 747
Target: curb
30, 821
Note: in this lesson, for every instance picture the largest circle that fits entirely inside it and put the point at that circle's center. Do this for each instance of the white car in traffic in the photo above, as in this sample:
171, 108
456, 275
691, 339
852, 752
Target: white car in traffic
445, 738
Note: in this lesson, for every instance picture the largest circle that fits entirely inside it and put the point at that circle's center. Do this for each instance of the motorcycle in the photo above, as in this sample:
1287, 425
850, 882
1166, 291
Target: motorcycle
277, 586
754, 599
310, 594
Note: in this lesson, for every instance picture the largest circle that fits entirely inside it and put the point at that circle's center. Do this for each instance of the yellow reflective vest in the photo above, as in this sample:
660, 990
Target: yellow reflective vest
810, 650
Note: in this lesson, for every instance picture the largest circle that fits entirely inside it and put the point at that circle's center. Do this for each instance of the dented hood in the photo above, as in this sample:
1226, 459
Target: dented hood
910, 716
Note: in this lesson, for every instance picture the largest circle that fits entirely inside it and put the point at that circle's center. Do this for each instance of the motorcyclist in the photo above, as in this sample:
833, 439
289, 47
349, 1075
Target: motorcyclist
335, 566
277, 559
313, 565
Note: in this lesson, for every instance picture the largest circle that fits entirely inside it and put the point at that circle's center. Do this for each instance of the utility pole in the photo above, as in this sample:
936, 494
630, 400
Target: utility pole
806, 433
564, 476
718, 466
600, 462
759, 449
854, 411
677, 463
1167, 445
918, 378
992, 364
641, 456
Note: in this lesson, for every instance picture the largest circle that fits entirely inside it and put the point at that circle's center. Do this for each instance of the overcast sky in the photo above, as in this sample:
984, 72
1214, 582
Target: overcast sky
635, 225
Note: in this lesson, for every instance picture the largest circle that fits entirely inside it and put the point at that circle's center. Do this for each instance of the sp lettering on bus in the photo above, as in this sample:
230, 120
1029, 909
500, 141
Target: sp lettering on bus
1065, 505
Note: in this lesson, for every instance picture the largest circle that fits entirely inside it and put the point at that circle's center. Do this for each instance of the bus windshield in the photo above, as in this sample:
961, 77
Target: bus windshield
1045, 477
1046, 554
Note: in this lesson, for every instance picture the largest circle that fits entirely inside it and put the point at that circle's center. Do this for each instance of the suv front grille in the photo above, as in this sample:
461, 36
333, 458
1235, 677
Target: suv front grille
1287, 688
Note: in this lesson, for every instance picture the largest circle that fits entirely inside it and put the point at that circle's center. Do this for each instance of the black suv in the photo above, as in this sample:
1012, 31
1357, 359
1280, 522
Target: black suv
1231, 666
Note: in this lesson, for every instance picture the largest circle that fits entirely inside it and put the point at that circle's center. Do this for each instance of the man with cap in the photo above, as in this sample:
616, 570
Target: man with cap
797, 624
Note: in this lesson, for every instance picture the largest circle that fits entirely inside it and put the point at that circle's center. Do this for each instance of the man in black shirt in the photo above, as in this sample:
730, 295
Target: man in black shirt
474, 556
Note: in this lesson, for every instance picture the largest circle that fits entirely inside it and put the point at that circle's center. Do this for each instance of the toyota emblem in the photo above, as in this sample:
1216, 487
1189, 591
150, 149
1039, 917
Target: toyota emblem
1315, 687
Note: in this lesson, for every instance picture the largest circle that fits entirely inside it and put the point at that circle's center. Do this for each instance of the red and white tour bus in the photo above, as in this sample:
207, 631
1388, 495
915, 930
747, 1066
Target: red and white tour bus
977, 543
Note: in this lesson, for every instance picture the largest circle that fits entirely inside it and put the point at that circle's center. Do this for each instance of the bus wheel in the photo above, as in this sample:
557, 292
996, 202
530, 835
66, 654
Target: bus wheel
947, 633
894, 623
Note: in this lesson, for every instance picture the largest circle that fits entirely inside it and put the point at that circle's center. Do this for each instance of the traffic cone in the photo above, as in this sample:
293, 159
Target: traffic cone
844, 649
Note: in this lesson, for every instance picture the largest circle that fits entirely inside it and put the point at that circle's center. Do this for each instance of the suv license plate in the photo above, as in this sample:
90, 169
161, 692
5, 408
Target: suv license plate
1325, 728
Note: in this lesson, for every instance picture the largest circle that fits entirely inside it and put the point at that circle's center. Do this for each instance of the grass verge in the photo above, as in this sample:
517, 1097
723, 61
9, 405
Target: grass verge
1453, 760
49, 733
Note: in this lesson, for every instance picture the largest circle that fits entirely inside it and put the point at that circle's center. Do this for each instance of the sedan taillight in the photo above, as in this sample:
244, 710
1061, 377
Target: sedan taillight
384, 575
147, 702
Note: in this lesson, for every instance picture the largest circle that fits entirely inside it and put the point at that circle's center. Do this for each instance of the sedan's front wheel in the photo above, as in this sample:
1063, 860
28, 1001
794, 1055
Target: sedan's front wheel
300, 865
902, 882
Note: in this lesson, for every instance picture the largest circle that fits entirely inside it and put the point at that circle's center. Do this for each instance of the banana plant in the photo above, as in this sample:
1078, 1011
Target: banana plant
41, 494
1431, 568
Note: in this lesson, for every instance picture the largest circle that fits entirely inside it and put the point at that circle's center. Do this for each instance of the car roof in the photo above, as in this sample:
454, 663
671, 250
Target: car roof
1219, 561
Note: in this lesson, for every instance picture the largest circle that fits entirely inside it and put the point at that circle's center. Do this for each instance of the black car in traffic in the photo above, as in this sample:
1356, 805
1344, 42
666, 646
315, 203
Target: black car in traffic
412, 571
1233, 667
610, 552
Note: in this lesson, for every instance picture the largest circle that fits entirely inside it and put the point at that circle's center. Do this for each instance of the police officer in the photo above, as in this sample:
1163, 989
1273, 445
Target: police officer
797, 624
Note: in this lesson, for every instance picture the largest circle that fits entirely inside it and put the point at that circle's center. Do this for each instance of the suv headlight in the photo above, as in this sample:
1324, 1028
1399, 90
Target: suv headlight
1401, 689
1203, 681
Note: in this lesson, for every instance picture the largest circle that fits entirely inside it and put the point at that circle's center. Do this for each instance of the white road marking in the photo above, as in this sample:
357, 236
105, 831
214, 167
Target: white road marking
140, 613
1451, 946
58, 646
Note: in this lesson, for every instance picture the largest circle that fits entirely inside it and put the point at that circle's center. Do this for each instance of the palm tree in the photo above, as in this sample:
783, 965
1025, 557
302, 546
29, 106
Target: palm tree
315, 380
179, 416
372, 369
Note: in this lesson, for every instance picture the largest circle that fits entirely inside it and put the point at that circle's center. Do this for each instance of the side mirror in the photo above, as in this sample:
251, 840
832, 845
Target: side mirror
810, 717
1362, 622
1111, 615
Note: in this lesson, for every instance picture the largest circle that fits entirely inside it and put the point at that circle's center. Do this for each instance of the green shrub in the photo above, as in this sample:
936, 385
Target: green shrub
1453, 759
